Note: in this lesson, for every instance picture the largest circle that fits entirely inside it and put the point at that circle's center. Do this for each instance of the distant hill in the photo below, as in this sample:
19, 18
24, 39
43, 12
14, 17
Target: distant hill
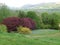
42, 6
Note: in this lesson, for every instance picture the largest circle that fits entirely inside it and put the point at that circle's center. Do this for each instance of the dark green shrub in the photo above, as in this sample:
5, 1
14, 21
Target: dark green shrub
50, 19
55, 21
45, 18
22, 14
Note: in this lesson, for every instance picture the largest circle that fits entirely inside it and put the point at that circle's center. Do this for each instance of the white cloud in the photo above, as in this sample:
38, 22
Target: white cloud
19, 3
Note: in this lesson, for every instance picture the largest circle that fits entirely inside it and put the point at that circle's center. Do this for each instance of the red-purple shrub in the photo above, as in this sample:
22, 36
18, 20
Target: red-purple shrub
27, 22
11, 23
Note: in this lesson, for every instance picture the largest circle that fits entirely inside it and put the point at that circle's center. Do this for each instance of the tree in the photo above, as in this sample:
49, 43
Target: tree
4, 12
21, 14
55, 21
35, 17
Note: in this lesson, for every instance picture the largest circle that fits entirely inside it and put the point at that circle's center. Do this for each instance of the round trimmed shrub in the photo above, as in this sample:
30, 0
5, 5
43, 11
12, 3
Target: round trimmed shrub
3, 28
23, 30
12, 23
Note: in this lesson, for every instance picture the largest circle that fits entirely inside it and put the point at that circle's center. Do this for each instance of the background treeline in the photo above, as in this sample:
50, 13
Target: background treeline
43, 20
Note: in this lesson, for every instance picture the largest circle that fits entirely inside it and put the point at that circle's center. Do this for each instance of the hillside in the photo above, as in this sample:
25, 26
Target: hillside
42, 6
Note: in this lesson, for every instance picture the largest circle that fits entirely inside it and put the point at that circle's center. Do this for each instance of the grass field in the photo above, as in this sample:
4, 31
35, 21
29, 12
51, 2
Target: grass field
38, 37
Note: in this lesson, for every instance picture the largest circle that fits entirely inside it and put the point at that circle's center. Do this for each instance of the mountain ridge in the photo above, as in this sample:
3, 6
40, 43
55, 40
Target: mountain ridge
42, 6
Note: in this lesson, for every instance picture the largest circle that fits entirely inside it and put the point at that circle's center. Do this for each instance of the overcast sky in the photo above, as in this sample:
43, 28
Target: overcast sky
19, 3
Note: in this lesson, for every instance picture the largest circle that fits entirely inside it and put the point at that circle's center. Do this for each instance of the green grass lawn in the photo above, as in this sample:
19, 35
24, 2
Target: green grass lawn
38, 37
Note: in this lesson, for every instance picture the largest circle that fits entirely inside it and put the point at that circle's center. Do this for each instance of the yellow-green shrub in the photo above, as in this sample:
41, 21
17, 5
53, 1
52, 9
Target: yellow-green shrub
23, 30
3, 28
